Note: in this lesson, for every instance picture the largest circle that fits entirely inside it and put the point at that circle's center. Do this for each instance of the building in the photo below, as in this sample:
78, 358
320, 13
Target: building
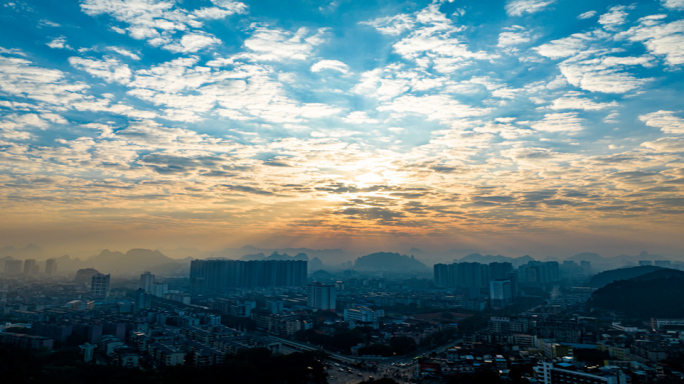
500, 270
50, 267
360, 314
13, 267
217, 275
143, 300
99, 286
662, 263
565, 373
441, 275
500, 293
321, 296
30, 267
645, 262
146, 282
275, 307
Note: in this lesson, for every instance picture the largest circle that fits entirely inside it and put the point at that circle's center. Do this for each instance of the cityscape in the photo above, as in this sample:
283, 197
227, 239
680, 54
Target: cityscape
342, 192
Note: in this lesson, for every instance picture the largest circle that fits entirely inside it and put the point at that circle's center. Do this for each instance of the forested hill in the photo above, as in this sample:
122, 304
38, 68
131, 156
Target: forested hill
606, 277
656, 294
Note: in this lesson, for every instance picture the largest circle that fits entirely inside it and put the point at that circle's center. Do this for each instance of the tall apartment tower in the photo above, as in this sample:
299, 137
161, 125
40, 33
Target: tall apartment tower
321, 296
500, 293
13, 267
50, 267
30, 267
147, 282
99, 286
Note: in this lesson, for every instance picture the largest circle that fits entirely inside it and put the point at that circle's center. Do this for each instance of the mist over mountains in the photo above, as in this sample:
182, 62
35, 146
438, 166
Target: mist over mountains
177, 261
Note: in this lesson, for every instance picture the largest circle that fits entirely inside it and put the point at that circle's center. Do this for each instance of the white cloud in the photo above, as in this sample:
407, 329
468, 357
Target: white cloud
159, 21
193, 42
614, 18
666, 144
109, 69
435, 107
580, 103
334, 65
673, 4
568, 46
124, 52
359, 117
20, 78
514, 36
587, 15
520, 7
392, 25
567, 122
58, 43
278, 45
660, 38
665, 120
606, 75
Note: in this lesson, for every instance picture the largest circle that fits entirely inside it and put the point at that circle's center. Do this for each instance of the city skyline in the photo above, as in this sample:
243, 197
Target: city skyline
541, 127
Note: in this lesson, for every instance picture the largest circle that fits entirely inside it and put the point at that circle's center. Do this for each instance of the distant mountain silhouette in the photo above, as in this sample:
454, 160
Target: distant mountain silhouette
487, 259
30, 251
390, 262
134, 261
276, 256
655, 294
606, 277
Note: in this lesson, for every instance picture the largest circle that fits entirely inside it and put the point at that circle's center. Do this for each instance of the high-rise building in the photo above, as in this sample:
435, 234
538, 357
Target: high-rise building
50, 267
586, 267
500, 293
216, 275
645, 262
143, 300
500, 270
147, 282
441, 273
321, 296
662, 263
99, 286
13, 267
30, 267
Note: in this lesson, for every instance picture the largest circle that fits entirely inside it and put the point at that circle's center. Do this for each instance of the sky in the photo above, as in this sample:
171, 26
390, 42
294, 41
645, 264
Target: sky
542, 127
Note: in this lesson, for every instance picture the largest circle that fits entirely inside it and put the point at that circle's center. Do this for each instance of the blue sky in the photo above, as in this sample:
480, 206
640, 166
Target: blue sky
530, 126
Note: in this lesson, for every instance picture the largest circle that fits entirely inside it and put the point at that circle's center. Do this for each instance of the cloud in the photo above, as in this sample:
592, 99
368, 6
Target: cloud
124, 52
568, 122
278, 45
514, 36
109, 69
660, 38
521, 7
587, 15
673, 4
580, 103
160, 21
665, 120
614, 18
58, 43
192, 42
392, 25
666, 144
333, 65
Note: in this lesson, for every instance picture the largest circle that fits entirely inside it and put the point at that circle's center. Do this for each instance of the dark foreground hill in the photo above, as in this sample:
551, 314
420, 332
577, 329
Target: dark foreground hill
656, 294
606, 277
390, 263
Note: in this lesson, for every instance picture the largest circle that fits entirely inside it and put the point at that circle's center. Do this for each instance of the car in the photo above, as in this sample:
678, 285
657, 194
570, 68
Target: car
359, 374
341, 370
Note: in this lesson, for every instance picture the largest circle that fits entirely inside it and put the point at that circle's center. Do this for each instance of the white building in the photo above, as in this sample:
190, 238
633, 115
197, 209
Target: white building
147, 282
363, 315
99, 286
500, 293
321, 296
